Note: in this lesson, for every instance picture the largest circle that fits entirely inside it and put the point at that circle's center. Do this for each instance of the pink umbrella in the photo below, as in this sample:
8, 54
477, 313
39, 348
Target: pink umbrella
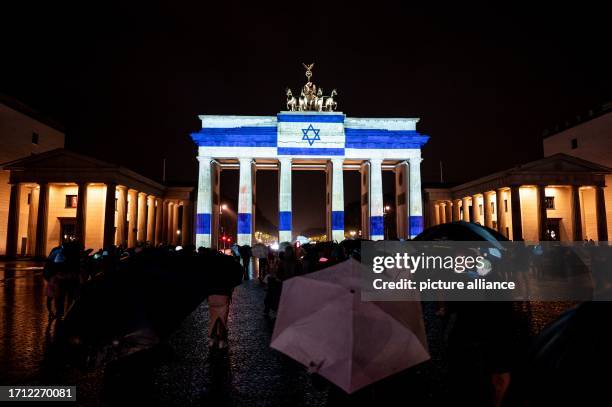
323, 324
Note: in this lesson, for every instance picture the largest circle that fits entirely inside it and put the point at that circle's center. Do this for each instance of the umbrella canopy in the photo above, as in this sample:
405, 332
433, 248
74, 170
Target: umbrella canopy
566, 359
461, 231
151, 290
323, 324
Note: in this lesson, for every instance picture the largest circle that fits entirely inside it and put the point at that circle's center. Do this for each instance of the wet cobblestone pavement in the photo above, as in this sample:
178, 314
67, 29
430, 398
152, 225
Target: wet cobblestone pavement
181, 372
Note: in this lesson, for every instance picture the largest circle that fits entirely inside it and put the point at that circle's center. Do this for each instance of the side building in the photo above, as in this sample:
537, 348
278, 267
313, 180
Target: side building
61, 195
589, 139
23, 132
564, 196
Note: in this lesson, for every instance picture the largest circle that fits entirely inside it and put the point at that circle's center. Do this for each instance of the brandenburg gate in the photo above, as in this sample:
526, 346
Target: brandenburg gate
310, 134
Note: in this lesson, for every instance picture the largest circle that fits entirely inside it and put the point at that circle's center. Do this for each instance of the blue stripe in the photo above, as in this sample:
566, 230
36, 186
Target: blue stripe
203, 224
236, 137
416, 225
377, 225
337, 220
309, 151
244, 223
311, 118
383, 139
284, 221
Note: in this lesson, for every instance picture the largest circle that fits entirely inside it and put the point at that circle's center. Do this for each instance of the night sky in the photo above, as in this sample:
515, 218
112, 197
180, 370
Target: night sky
129, 80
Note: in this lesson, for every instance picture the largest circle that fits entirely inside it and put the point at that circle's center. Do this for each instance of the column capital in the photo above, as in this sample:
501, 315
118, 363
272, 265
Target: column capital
245, 160
285, 159
337, 160
203, 159
375, 161
415, 160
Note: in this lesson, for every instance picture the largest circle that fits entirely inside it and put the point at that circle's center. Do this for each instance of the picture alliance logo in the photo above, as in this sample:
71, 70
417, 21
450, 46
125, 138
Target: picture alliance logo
478, 265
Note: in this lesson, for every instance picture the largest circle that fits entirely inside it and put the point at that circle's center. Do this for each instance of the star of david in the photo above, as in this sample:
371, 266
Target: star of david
312, 139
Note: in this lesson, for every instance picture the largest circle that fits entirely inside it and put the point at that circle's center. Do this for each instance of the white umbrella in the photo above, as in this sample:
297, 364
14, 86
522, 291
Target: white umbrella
323, 324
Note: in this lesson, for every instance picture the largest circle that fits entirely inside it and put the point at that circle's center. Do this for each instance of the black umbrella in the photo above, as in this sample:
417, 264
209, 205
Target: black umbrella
567, 359
460, 231
151, 291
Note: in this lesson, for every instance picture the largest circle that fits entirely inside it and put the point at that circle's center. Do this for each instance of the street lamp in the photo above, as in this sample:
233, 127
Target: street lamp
386, 211
221, 209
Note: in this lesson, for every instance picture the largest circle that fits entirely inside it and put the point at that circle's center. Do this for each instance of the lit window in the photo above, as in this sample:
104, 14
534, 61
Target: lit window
71, 201
549, 201
574, 143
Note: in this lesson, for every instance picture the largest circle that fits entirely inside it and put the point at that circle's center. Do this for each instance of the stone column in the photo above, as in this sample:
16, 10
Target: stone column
121, 216
141, 216
542, 217
364, 173
456, 210
109, 215
500, 211
416, 202
475, 209
42, 221
336, 214
600, 208
81, 215
377, 224
254, 199
186, 224
215, 171
175, 224
402, 195
284, 200
150, 237
487, 210
576, 214
466, 209
12, 234
517, 224
159, 221
169, 208
448, 216
34, 193
204, 203
245, 202
442, 212
132, 217
436, 214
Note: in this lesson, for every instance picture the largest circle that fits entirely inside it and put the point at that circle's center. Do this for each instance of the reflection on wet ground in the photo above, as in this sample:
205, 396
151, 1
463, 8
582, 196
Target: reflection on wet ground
23, 321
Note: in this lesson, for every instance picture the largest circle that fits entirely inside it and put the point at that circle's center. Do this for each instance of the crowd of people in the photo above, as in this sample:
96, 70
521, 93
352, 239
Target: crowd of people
482, 343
